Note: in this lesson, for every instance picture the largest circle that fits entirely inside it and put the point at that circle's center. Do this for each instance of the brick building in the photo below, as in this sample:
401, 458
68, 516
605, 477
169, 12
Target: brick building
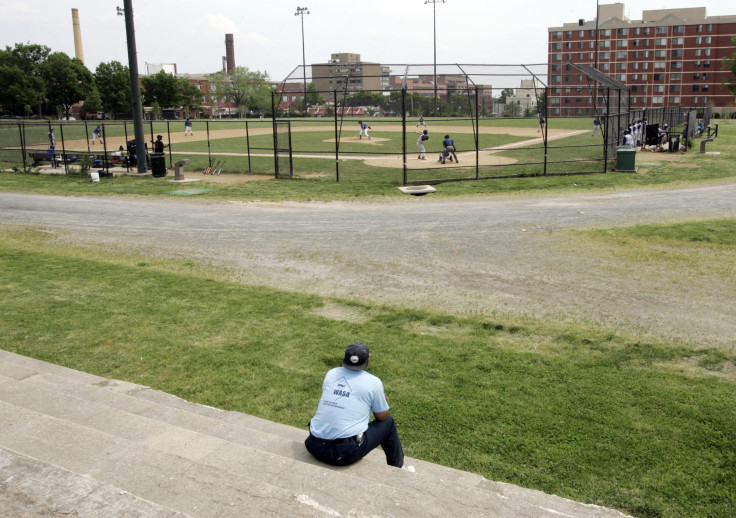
345, 71
671, 57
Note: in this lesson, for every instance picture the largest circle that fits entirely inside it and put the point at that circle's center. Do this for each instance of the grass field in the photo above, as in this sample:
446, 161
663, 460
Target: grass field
637, 424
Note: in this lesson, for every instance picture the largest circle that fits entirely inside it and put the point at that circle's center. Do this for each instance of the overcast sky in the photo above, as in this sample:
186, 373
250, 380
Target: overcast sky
268, 37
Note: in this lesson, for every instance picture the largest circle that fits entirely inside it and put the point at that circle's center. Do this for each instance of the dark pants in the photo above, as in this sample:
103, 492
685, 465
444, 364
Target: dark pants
383, 433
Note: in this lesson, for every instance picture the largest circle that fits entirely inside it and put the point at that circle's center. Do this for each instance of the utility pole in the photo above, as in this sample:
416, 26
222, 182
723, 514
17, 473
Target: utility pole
135, 90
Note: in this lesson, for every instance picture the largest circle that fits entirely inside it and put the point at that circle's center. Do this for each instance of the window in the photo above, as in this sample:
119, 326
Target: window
700, 28
557, 35
635, 54
622, 44
606, 32
676, 53
605, 55
706, 64
580, 44
678, 29
699, 40
706, 75
646, 43
707, 52
644, 77
556, 79
659, 65
696, 64
580, 56
621, 55
709, 27
622, 32
646, 30
660, 53
675, 100
634, 77
696, 76
696, 88
658, 89
645, 66
285, 98
555, 68
591, 44
621, 77
697, 52
636, 65
634, 88
605, 67
661, 41
568, 45
605, 44
581, 34
676, 64
678, 41
705, 99
674, 89
591, 34
556, 46
635, 43
661, 30
568, 34
707, 40
658, 77
645, 54
555, 100
556, 57
657, 99
621, 66
568, 89
695, 100
675, 77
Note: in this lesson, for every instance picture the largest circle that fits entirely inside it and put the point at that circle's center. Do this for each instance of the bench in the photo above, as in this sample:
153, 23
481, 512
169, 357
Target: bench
56, 159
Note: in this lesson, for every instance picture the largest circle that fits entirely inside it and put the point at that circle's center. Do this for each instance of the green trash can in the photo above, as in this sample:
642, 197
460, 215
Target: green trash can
626, 159
158, 165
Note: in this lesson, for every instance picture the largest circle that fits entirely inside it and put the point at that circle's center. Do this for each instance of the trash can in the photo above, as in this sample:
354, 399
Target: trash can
158, 165
626, 159
674, 145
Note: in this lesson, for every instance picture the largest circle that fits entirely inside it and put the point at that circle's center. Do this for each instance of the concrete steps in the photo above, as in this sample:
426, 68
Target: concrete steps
71, 442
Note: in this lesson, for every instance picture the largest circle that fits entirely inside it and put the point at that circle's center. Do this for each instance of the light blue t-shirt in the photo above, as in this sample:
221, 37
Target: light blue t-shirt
348, 398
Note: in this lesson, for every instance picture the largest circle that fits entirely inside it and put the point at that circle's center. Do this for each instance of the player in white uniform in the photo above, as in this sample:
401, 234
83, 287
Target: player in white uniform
420, 145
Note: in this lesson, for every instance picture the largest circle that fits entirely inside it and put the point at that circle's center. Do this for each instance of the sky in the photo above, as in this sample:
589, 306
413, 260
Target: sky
268, 35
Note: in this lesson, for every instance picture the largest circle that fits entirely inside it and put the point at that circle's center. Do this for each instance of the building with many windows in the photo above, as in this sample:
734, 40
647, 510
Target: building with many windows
346, 72
671, 57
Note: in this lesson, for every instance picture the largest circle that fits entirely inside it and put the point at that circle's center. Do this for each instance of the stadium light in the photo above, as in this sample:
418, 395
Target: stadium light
434, 22
301, 11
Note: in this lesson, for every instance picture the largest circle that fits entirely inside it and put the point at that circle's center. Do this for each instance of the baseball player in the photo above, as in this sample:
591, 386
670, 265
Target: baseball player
97, 134
420, 145
188, 128
364, 130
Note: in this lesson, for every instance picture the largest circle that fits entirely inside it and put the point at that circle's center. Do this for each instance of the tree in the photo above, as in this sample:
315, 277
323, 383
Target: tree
92, 104
190, 95
730, 64
314, 98
20, 74
505, 94
113, 83
163, 89
245, 89
67, 80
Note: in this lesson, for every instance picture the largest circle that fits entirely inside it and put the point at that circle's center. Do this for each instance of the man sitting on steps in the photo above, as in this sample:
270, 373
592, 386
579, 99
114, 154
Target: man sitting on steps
340, 433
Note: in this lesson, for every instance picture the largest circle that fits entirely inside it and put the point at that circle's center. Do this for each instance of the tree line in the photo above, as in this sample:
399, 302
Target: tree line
37, 81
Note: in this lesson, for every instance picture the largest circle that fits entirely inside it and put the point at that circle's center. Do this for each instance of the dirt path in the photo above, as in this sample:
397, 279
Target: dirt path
480, 256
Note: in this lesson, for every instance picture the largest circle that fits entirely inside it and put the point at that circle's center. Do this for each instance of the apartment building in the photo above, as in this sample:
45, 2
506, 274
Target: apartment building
345, 71
670, 57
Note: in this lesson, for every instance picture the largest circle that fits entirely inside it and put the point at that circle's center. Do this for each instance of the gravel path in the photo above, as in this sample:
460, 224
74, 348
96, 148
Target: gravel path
477, 255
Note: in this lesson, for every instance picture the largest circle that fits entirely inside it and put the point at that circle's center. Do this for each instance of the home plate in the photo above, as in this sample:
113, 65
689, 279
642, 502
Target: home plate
417, 190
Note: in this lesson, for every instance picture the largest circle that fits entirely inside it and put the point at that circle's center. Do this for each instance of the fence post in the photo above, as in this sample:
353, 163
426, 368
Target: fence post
247, 144
337, 139
403, 130
21, 131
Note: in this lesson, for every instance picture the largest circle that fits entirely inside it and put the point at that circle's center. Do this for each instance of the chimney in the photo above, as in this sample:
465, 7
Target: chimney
230, 53
78, 50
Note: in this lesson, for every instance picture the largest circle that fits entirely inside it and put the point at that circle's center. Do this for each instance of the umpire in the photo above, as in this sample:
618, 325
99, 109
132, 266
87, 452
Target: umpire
340, 432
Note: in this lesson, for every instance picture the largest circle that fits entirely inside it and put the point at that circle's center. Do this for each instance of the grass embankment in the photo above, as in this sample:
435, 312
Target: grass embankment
571, 410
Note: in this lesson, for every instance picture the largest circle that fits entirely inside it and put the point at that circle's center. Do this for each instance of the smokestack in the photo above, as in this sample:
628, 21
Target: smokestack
230, 53
78, 50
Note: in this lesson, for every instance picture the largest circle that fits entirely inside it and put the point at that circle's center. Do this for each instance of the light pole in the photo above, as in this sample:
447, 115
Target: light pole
301, 11
434, 32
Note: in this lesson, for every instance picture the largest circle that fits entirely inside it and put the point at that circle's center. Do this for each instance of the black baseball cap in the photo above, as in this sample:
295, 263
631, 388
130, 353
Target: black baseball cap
356, 356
